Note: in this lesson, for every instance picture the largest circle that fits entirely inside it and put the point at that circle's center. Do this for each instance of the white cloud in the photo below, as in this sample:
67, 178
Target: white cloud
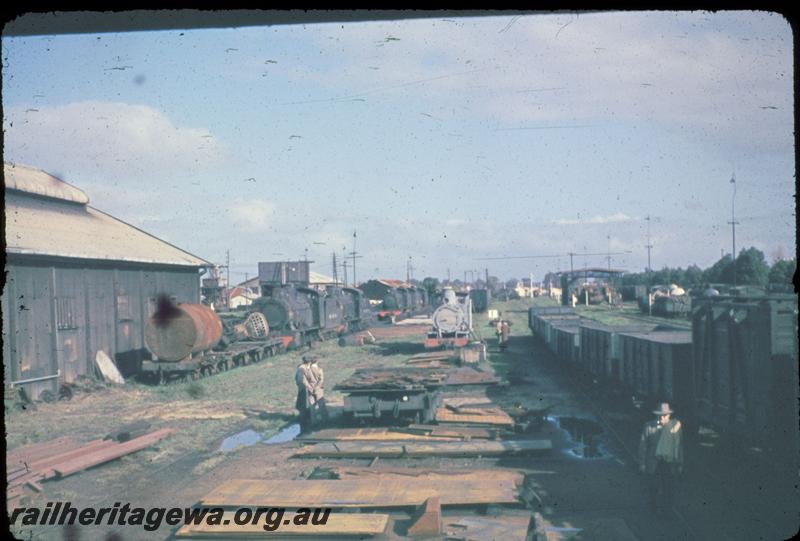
720, 77
118, 140
617, 217
251, 214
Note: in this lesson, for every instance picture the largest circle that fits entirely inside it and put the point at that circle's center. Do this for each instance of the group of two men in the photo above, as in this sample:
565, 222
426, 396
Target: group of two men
310, 379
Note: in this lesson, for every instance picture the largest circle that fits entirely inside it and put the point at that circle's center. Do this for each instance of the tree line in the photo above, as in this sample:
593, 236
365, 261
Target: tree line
750, 268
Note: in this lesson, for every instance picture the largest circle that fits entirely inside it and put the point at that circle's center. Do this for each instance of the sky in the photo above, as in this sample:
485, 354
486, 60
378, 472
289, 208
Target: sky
439, 142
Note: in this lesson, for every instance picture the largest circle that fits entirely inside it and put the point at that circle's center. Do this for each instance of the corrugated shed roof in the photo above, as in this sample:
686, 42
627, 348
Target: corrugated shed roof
35, 181
60, 228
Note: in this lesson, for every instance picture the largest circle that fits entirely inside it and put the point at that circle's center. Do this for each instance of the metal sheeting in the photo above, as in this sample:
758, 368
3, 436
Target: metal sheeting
35, 181
56, 318
44, 227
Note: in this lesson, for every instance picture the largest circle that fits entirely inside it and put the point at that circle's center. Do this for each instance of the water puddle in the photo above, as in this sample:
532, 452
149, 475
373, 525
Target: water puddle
249, 437
287, 434
244, 438
584, 437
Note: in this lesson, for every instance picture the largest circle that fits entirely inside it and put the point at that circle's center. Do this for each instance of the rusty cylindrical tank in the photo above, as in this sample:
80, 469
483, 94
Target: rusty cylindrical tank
175, 333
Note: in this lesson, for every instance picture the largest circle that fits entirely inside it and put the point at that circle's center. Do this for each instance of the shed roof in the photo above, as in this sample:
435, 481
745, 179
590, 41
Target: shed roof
54, 225
35, 181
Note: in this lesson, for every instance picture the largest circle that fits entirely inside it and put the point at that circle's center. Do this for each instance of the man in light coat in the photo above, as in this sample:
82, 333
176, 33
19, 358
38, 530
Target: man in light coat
318, 381
304, 379
661, 457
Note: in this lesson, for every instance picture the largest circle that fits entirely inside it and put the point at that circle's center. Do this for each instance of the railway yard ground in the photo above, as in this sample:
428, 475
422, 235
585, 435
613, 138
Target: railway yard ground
240, 424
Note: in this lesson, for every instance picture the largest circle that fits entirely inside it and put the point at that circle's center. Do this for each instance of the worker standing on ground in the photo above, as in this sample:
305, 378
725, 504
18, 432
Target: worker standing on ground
318, 380
661, 458
304, 379
505, 331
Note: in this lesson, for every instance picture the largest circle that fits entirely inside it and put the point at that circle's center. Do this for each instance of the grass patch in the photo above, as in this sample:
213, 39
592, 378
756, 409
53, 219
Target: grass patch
195, 390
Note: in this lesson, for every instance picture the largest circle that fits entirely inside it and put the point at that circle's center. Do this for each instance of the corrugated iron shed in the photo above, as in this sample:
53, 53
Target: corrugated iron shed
58, 222
78, 282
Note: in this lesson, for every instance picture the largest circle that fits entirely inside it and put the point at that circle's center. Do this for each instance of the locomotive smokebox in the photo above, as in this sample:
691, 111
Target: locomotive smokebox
448, 318
175, 332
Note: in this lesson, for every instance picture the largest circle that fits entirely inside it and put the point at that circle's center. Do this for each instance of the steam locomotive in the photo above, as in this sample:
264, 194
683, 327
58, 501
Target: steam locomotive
190, 340
452, 321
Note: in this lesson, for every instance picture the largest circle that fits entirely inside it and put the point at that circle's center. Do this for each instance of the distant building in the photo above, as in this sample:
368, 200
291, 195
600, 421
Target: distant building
79, 281
526, 288
240, 296
376, 290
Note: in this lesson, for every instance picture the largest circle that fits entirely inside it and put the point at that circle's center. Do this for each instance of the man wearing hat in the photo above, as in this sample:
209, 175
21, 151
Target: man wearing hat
304, 380
318, 380
661, 457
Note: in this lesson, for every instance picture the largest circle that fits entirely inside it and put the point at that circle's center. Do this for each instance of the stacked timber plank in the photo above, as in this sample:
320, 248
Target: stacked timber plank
28, 465
368, 434
376, 492
393, 378
356, 472
412, 449
414, 377
355, 525
481, 416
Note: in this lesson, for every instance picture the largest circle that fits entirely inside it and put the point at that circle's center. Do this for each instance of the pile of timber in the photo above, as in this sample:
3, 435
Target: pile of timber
413, 432
413, 378
361, 489
55, 459
380, 491
473, 415
398, 331
392, 378
419, 449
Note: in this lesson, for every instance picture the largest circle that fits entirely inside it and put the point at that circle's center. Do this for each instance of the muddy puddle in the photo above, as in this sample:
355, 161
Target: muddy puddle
249, 437
581, 438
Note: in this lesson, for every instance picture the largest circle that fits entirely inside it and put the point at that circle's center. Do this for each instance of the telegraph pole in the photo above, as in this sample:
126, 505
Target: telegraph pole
648, 246
733, 223
355, 255
228, 280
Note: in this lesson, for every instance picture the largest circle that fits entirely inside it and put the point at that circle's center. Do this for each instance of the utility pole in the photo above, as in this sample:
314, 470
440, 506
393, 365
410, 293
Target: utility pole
228, 280
355, 255
609, 251
733, 223
448, 275
648, 246
335, 270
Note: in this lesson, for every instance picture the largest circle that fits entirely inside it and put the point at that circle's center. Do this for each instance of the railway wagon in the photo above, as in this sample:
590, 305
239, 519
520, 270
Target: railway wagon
658, 365
745, 356
481, 298
600, 348
566, 340
534, 311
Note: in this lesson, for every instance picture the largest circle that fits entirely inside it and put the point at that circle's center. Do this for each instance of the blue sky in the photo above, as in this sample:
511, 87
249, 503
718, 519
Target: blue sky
443, 140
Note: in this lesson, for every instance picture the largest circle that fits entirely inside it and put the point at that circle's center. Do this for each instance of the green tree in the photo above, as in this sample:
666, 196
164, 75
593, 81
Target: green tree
717, 272
431, 284
782, 272
693, 276
751, 269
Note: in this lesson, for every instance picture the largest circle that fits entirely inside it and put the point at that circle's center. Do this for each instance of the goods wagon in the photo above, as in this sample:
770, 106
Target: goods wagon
745, 357
658, 365
481, 298
600, 347
566, 340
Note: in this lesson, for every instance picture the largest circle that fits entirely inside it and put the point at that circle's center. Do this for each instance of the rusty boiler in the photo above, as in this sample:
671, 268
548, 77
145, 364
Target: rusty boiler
175, 332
